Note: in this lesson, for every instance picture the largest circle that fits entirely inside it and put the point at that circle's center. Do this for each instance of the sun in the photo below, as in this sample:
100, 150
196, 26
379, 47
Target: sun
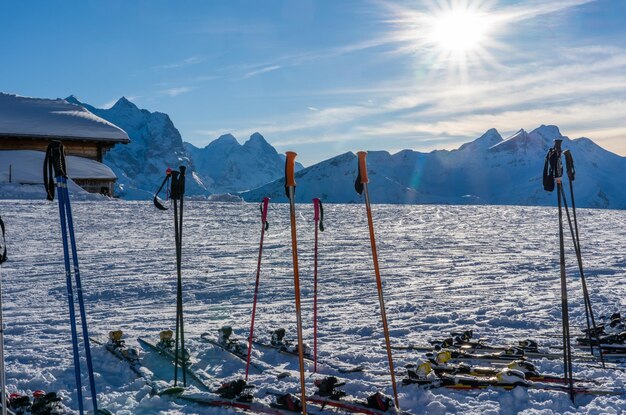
459, 30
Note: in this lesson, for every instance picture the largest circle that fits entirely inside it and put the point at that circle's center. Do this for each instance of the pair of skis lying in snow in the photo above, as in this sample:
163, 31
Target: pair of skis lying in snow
462, 376
238, 348
235, 393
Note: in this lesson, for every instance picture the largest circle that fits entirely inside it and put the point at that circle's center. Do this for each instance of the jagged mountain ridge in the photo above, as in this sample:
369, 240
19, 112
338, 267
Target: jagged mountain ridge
233, 167
222, 166
489, 170
155, 145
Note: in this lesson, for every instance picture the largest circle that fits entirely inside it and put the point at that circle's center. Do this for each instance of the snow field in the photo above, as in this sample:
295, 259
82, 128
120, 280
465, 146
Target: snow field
444, 268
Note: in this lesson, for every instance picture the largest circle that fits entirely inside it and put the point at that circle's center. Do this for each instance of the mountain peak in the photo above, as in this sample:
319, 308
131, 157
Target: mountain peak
224, 140
489, 139
258, 142
124, 103
547, 132
73, 100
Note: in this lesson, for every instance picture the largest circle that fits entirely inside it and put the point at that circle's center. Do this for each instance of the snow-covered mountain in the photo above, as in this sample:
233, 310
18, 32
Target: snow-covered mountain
232, 167
489, 170
155, 145
222, 166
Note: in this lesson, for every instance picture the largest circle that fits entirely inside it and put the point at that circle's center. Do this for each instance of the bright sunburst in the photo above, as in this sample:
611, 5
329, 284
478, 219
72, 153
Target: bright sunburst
457, 35
459, 30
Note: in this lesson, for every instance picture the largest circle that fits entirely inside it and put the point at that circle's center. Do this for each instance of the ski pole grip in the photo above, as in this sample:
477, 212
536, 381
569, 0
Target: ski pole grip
290, 164
57, 158
316, 209
175, 187
569, 165
266, 202
181, 181
362, 166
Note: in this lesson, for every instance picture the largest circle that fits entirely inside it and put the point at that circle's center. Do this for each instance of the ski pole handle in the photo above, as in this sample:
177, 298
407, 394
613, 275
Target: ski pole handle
362, 167
569, 165
265, 203
181, 181
290, 164
316, 209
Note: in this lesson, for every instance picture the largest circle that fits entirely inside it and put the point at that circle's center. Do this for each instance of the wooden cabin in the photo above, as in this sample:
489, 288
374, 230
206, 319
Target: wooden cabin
31, 123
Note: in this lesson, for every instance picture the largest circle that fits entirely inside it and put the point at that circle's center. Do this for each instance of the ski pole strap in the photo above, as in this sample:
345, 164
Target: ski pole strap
53, 166
318, 213
157, 202
290, 165
263, 206
3, 256
569, 165
361, 178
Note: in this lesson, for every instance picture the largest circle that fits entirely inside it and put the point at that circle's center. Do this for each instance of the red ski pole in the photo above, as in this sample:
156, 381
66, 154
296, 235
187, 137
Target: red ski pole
264, 226
361, 187
290, 187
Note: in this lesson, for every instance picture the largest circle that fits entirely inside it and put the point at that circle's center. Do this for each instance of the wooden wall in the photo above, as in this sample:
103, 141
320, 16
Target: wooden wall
102, 186
88, 149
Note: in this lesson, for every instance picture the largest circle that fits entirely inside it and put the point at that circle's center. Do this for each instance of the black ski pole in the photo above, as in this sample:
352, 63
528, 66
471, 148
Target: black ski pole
3, 380
571, 175
553, 172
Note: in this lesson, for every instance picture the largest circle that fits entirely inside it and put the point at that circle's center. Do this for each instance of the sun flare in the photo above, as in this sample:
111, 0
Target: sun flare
459, 30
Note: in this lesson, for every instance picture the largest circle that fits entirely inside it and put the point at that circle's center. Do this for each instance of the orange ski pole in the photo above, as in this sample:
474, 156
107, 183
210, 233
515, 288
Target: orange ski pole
290, 187
361, 187
264, 226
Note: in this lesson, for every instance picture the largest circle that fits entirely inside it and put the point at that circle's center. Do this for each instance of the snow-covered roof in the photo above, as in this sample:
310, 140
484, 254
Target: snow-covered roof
27, 167
38, 117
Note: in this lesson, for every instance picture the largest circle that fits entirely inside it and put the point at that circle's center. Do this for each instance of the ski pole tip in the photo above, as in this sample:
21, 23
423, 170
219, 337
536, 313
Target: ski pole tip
290, 164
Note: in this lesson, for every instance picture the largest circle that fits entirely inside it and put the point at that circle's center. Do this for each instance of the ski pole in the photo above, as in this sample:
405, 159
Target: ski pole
567, 351
361, 188
181, 194
79, 294
317, 208
290, 187
3, 379
55, 159
264, 226
571, 175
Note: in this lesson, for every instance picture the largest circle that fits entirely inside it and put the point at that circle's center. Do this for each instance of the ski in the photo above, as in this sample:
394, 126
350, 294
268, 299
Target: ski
278, 343
506, 379
118, 348
527, 368
233, 346
329, 394
165, 349
234, 394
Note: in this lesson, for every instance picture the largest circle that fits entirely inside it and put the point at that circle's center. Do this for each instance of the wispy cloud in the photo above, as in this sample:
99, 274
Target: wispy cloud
261, 71
174, 92
193, 60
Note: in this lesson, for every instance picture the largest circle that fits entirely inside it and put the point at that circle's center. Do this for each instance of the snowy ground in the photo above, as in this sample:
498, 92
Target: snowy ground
491, 269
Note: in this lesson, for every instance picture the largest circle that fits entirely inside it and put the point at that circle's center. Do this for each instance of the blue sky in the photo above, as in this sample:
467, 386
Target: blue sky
328, 76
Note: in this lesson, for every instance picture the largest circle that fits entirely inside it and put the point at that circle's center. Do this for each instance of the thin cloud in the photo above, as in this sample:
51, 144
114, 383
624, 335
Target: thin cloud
261, 71
174, 92
193, 60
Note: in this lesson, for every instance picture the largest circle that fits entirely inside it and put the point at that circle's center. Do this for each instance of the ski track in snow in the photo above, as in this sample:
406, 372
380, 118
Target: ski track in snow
444, 268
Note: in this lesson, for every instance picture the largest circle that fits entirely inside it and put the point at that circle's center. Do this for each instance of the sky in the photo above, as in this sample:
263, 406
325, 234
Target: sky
325, 77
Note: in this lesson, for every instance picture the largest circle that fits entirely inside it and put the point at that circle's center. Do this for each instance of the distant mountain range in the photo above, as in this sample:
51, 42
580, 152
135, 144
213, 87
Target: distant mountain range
223, 166
488, 170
